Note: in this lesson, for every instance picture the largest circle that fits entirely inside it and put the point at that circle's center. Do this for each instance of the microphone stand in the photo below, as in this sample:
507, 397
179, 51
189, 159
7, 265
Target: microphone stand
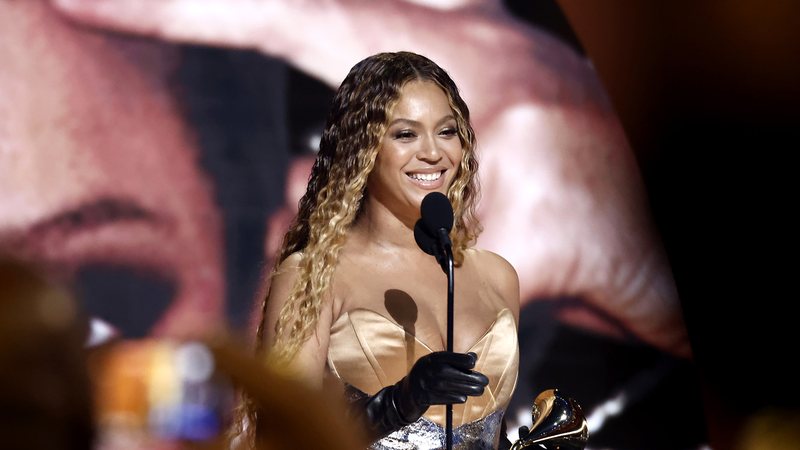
446, 250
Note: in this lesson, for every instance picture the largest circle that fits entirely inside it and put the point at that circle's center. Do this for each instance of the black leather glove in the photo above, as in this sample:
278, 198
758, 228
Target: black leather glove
435, 379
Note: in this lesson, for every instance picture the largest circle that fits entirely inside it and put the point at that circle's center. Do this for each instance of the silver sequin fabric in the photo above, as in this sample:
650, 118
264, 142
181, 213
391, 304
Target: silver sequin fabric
425, 434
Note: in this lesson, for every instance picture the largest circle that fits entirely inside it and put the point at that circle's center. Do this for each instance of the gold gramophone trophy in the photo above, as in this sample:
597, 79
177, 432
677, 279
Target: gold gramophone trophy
557, 423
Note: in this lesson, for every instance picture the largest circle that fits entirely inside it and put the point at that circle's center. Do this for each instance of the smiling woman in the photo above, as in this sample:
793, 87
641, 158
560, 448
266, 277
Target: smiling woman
420, 152
398, 130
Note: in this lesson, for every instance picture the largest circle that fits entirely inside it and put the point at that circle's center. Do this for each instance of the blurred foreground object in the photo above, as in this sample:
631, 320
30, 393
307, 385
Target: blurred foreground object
558, 423
291, 416
45, 395
166, 394
148, 394
160, 394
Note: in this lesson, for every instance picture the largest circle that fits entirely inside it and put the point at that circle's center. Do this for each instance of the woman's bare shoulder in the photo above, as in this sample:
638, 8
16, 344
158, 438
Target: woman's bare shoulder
498, 273
490, 260
285, 276
283, 279
290, 264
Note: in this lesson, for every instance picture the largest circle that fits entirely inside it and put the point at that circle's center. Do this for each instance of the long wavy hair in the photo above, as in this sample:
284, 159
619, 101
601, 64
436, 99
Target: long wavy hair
334, 197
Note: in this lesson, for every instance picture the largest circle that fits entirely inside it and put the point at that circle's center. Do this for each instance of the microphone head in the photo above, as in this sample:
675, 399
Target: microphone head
425, 240
436, 212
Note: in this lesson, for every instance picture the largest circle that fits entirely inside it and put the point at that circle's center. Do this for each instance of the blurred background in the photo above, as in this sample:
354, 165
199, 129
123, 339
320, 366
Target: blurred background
152, 155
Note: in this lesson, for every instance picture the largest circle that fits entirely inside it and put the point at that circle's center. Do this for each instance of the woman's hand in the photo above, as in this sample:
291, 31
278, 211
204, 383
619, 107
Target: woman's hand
438, 378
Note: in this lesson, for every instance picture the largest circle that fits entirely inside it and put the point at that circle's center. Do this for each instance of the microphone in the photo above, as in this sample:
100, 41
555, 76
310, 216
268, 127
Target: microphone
425, 240
432, 230
437, 216
432, 233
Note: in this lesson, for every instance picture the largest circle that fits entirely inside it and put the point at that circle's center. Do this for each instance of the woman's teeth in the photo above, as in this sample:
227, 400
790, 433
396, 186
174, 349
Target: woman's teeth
425, 176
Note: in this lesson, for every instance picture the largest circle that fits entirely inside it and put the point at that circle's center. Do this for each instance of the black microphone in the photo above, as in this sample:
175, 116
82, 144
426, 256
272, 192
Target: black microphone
425, 240
432, 233
432, 230
437, 216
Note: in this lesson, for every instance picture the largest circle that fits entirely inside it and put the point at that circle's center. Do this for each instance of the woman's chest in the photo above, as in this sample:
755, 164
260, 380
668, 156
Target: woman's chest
416, 301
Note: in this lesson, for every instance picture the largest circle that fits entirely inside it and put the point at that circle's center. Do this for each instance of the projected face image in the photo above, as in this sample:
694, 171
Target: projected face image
99, 178
107, 110
556, 168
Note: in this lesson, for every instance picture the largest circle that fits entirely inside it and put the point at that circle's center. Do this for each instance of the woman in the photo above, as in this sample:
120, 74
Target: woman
354, 299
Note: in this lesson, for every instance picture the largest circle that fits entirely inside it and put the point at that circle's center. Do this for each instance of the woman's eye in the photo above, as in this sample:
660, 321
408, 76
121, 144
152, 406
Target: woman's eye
405, 134
448, 132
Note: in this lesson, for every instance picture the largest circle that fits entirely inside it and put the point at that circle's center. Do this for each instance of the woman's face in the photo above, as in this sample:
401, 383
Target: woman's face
419, 153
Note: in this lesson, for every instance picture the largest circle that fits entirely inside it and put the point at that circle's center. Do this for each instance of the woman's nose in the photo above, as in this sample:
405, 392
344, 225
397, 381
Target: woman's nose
429, 150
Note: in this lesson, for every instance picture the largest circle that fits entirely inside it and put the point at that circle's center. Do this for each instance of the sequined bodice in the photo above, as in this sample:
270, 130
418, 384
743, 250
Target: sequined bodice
368, 351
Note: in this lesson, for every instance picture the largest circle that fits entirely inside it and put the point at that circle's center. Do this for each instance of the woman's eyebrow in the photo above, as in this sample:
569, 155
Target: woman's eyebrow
416, 123
403, 121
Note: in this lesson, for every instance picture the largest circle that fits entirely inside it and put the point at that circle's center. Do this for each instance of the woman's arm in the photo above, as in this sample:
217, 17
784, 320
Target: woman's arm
308, 365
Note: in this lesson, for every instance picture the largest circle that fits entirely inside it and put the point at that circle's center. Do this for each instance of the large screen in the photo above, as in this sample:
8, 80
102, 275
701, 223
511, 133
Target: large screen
152, 155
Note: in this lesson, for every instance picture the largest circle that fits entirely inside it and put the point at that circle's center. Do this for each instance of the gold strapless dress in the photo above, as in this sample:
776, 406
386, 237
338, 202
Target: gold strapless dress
369, 351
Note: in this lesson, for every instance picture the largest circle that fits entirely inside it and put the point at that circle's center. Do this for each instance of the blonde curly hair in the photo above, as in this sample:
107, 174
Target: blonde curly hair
333, 199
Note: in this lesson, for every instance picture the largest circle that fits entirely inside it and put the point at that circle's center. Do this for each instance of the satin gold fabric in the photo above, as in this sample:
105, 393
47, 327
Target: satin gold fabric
369, 351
